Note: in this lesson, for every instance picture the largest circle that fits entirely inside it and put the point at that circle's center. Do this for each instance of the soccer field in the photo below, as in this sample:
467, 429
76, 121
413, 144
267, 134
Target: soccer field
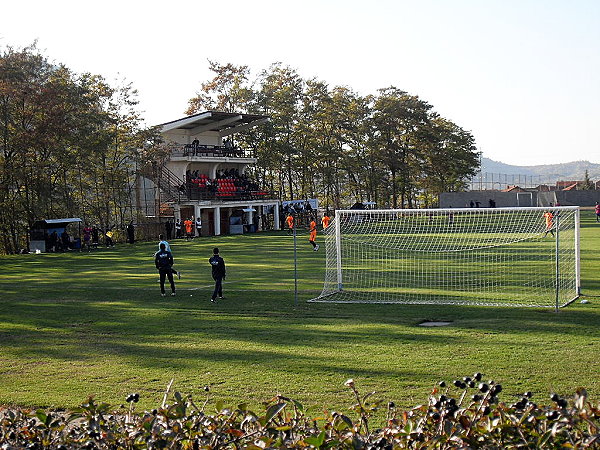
77, 324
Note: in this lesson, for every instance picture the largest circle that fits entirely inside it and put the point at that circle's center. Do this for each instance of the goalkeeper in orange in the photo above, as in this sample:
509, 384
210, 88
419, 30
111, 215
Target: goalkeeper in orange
549, 217
313, 234
290, 223
325, 221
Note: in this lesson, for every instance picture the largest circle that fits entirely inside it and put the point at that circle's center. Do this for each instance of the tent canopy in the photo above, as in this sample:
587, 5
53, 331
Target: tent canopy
55, 223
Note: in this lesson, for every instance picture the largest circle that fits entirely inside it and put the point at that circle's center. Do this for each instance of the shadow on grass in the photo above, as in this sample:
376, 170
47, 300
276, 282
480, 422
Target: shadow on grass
154, 331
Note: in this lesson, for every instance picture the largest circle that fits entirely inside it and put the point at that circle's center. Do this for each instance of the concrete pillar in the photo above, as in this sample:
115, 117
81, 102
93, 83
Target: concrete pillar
259, 212
177, 212
276, 216
217, 220
249, 215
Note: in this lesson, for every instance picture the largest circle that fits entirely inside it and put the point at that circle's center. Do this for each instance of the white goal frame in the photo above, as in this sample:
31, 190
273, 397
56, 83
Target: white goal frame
468, 256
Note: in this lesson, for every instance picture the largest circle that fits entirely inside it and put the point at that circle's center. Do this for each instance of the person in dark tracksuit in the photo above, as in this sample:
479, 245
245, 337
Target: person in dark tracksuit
218, 273
163, 260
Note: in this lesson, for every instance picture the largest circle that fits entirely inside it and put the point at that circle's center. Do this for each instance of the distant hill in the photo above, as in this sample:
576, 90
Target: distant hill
567, 171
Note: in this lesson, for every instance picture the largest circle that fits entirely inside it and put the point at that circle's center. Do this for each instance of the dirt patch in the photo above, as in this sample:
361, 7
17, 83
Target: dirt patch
434, 323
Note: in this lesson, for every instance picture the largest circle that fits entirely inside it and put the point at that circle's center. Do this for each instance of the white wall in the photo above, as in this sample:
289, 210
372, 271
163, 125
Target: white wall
183, 137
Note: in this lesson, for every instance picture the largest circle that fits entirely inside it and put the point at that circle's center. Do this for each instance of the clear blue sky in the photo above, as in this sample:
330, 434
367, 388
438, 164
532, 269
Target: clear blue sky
522, 75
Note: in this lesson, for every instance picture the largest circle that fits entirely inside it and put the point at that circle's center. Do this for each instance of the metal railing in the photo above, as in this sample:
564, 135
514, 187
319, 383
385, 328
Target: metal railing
214, 151
197, 193
167, 182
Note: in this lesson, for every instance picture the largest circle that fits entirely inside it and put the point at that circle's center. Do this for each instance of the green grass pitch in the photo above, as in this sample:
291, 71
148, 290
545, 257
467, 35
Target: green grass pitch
79, 324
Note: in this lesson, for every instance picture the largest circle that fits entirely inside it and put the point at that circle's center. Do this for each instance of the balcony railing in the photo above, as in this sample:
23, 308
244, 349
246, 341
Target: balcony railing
218, 151
193, 192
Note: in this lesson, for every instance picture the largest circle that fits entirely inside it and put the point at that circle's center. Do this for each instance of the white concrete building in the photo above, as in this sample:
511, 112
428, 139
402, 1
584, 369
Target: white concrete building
205, 175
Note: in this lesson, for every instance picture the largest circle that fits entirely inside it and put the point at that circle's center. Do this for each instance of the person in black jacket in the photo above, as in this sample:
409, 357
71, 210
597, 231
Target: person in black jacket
163, 260
130, 233
218, 273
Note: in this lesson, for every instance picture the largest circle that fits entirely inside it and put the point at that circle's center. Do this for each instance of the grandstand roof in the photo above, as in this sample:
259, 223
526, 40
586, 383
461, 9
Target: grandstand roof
223, 122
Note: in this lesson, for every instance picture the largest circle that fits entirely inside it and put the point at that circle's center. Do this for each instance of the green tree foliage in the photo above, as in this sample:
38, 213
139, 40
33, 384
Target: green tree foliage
279, 96
587, 183
227, 91
66, 147
331, 143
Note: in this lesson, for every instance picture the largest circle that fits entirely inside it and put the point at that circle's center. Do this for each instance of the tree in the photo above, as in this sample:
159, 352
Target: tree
279, 97
68, 144
227, 91
333, 144
397, 120
587, 184
449, 157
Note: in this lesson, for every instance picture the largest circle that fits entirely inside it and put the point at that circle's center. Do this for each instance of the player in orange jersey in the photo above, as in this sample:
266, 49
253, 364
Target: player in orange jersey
313, 234
188, 224
549, 217
325, 221
290, 223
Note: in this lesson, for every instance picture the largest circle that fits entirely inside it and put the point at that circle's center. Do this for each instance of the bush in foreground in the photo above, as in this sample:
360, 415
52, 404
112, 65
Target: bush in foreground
466, 413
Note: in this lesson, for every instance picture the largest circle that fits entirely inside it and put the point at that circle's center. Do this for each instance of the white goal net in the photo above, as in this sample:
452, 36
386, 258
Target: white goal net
471, 256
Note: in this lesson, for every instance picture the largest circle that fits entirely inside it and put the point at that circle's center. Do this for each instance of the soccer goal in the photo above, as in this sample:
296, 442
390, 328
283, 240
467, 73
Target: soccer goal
471, 256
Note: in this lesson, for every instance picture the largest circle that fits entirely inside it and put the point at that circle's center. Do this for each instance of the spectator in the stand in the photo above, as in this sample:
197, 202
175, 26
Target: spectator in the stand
195, 143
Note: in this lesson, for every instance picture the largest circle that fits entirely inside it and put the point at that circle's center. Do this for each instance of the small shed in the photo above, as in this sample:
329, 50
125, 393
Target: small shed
43, 228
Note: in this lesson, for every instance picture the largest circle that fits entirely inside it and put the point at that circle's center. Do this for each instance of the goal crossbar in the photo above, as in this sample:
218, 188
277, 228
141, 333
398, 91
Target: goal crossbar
525, 256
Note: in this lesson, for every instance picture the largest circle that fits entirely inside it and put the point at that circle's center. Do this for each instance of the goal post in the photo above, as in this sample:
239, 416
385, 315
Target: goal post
472, 256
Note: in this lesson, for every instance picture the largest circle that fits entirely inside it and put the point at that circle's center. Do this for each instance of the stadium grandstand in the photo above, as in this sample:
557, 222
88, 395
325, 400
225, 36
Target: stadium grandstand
205, 176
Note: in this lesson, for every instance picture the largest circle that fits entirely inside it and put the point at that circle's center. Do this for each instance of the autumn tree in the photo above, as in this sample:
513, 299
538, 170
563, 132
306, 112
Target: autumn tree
227, 91
67, 148
280, 90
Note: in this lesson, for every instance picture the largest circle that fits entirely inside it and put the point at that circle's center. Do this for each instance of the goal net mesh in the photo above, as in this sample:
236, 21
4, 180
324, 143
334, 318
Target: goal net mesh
495, 256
